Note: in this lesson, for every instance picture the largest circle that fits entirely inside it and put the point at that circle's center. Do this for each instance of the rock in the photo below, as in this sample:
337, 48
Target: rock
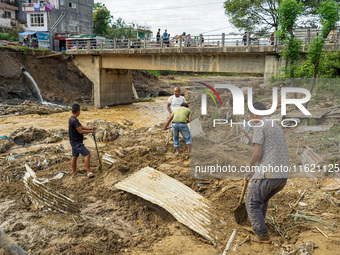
18, 226
127, 122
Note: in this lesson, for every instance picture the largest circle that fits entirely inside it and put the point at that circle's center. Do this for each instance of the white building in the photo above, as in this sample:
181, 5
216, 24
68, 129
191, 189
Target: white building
8, 10
54, 19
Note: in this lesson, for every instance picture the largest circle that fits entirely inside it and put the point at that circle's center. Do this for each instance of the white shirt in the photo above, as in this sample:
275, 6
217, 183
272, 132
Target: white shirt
175, 102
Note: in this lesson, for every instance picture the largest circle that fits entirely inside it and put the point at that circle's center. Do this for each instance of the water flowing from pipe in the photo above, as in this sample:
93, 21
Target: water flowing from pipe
41, 100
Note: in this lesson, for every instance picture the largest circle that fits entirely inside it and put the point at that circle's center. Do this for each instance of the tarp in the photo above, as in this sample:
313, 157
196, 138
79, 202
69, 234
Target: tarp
28, 33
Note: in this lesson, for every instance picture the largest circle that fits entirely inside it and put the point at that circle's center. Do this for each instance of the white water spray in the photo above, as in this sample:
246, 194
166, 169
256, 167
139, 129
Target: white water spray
41, 100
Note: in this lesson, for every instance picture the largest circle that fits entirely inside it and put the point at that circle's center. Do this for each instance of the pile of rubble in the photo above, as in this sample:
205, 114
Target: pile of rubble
23, 136
29, 107
42, 158
106, 131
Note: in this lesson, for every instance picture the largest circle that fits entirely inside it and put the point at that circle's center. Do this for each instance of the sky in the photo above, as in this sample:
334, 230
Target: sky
177, 16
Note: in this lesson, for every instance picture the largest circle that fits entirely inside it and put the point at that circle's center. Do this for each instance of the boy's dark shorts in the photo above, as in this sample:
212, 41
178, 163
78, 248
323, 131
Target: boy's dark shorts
79, 149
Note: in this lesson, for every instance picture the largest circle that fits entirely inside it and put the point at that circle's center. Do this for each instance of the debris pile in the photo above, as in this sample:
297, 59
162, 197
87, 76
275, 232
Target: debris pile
106, 131
23, 136
29, 107
42, 158
5, 144
45, 198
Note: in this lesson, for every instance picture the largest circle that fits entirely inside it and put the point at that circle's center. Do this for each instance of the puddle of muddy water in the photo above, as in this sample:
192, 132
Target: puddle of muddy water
142, 114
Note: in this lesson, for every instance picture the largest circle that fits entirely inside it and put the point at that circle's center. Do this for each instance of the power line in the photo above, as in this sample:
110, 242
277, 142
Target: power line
166, 19
170, 8
216, 30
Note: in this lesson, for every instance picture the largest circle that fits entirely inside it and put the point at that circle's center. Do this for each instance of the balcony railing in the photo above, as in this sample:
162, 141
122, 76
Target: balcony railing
14, 3
8, 5
29, 7
5, 16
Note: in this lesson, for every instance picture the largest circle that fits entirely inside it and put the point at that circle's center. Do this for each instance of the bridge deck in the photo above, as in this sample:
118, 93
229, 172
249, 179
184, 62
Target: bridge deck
239, 50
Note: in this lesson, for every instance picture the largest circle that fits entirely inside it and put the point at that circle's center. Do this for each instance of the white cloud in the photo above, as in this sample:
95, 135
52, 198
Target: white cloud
194, 17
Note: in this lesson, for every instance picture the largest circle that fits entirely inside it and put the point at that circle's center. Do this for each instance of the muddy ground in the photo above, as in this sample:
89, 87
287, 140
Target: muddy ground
116, 222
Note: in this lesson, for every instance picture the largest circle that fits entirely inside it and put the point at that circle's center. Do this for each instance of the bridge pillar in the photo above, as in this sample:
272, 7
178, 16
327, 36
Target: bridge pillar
111, 86
272, 66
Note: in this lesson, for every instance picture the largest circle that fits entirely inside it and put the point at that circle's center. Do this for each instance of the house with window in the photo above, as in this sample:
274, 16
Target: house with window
8, 9
55, 20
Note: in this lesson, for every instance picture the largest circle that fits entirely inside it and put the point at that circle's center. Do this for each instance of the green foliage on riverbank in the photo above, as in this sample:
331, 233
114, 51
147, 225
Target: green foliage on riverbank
8, 37
329, 66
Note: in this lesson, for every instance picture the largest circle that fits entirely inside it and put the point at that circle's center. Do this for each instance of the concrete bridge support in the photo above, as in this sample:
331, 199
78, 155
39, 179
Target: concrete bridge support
111, 86
273, 65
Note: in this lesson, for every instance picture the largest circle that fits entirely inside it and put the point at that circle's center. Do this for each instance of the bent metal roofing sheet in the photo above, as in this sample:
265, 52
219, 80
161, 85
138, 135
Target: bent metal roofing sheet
187, 206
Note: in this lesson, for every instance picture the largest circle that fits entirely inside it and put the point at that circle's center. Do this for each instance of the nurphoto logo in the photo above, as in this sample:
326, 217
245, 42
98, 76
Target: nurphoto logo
238, 103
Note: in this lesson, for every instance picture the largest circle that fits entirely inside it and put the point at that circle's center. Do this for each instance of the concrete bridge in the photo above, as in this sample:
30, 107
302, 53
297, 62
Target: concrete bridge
110, 70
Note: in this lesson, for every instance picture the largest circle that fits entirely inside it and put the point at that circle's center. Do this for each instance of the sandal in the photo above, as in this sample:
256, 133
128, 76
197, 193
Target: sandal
90, 175
74, 174
265, 239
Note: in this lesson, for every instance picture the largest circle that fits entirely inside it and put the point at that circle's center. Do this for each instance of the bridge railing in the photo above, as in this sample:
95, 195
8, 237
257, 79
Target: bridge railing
221, 40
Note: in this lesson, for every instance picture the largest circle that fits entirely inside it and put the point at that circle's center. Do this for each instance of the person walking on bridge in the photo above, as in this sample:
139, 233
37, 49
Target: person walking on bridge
76, 135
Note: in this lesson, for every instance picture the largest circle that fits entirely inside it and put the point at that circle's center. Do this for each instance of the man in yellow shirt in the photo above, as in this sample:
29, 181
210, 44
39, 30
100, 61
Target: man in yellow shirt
180, 117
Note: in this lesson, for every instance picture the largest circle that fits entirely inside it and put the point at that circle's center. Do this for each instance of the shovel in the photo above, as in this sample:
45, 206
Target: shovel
100, 163
240, 212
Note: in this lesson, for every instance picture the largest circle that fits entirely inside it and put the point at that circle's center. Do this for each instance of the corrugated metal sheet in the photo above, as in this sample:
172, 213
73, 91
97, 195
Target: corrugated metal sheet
187, 206
310, 157
45, 198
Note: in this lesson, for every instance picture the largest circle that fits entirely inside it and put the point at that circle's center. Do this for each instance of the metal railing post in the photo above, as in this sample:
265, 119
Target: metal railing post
161, 41
308, 36
144, 42
88, 45
129, 43
115, 43
223, 39
200, 40
248, 39
236, 42
218, 43
77, 45
180, 41
101, 44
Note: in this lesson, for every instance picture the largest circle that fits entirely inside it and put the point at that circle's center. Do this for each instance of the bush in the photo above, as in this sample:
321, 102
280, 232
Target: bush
13, 38
155, 73
329, 66
4, 36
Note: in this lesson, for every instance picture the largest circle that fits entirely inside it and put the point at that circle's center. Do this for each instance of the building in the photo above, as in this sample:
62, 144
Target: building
142, 31
56, 20
8, 9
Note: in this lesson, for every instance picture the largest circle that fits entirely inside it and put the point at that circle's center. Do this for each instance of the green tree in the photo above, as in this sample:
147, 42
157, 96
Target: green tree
119, 29
329, 16
260, 16
289, 10
102, 19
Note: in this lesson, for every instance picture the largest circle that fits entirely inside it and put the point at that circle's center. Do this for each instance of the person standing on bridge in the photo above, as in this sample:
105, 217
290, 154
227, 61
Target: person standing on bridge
76, 135
158, 36
165, 37
175, 101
